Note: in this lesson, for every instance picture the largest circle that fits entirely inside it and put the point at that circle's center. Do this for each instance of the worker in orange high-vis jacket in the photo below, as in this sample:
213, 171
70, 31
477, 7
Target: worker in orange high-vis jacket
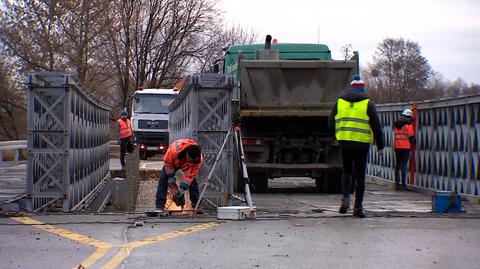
404, 138
184, 155
124, 134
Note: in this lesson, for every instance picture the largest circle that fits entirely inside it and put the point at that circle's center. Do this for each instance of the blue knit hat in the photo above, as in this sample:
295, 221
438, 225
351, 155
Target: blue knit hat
357, 84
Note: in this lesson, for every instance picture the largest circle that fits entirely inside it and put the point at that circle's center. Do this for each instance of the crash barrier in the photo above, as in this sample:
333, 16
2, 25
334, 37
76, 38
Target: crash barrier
202, 111
14, 145
447, 156
68, 141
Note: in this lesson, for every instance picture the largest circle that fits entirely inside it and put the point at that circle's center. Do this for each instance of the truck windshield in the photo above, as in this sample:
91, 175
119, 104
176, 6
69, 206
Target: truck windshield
152, 103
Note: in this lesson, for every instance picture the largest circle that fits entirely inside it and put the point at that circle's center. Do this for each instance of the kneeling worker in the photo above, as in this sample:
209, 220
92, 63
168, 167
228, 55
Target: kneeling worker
184, 154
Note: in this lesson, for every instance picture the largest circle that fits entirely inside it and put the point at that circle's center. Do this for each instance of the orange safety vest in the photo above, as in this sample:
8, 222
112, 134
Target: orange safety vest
125, 128
172, 163
402, 137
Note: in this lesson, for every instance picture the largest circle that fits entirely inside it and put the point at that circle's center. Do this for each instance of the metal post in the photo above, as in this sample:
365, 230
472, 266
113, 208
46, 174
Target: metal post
30, 156
213, 168
66, 150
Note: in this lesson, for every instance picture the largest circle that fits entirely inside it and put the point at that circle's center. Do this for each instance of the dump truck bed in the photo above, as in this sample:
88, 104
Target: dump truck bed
292, 87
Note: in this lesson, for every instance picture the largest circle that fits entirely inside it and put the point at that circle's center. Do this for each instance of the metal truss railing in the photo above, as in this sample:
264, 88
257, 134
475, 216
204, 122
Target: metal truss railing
447, 155
202, 111
68, 141
14, 145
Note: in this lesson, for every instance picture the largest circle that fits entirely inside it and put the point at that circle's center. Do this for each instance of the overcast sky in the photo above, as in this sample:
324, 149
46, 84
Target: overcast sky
448, 31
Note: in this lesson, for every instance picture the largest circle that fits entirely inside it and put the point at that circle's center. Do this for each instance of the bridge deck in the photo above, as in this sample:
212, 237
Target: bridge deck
12, 177
379, 199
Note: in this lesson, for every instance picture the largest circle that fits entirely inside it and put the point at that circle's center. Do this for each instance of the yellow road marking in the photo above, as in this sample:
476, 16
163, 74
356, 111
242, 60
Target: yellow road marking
95, 257
62, 232
189, 230
128, 248
117, 259
103, 247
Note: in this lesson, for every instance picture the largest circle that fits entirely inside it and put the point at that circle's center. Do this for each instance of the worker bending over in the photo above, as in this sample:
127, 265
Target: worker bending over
185, 155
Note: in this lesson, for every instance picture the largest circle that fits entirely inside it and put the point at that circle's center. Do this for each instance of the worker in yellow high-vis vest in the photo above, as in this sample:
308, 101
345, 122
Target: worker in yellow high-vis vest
355, 122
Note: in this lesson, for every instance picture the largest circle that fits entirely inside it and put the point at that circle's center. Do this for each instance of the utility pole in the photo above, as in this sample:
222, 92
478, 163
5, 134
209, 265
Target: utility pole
318, 34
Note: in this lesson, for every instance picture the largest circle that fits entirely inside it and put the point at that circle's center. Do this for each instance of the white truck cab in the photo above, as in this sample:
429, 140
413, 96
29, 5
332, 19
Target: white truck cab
150, 120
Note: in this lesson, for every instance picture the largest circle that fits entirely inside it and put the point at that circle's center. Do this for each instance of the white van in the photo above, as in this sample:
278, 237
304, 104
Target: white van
150, 120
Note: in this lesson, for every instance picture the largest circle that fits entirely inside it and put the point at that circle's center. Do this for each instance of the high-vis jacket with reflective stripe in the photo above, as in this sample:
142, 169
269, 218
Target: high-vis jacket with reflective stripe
173, 163
402, 136
124, 128
352, 121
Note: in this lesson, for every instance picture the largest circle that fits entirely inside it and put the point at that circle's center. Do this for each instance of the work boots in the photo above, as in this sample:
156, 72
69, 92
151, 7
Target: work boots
358, 212
345, 205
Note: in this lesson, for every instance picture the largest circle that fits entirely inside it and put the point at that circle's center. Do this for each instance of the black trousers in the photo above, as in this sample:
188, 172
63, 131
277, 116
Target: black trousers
123, 149
162, 189
402, 156
354, 167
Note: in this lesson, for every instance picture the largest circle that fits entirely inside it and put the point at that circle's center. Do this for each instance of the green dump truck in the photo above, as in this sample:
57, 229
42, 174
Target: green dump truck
283, 97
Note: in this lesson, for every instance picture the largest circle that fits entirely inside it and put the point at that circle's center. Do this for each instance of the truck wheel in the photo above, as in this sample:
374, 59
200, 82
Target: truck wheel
332, 182
240, 185
319, 181
259, 181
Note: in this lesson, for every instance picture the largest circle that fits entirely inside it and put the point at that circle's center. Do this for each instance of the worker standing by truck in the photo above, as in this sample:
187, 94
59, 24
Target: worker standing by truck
355, 123
185, 155
404, 138
124, 128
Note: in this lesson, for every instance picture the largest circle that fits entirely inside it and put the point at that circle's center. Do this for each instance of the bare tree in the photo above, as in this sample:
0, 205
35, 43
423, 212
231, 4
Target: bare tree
62, 36
115, 46
438, 87
119, 43
347, 51
216, 41
153, 43
400, 69
12, 106
83, 25
30, 30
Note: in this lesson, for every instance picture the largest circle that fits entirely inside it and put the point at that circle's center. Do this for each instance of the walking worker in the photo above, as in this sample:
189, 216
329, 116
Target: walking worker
355, 121
404, 139
124, 134
184, 155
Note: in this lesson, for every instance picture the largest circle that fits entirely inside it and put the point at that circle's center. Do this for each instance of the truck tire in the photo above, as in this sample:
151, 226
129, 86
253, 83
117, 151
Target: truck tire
332, 182
259, 181
319, 181
240, 188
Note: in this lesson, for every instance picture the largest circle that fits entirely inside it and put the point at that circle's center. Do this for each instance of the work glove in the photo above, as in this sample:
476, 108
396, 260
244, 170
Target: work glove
172, 181
179, 196
334, 142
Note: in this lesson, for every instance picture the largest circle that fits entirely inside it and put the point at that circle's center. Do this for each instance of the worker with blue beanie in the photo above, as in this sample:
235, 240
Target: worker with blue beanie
357, 85
355, 124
